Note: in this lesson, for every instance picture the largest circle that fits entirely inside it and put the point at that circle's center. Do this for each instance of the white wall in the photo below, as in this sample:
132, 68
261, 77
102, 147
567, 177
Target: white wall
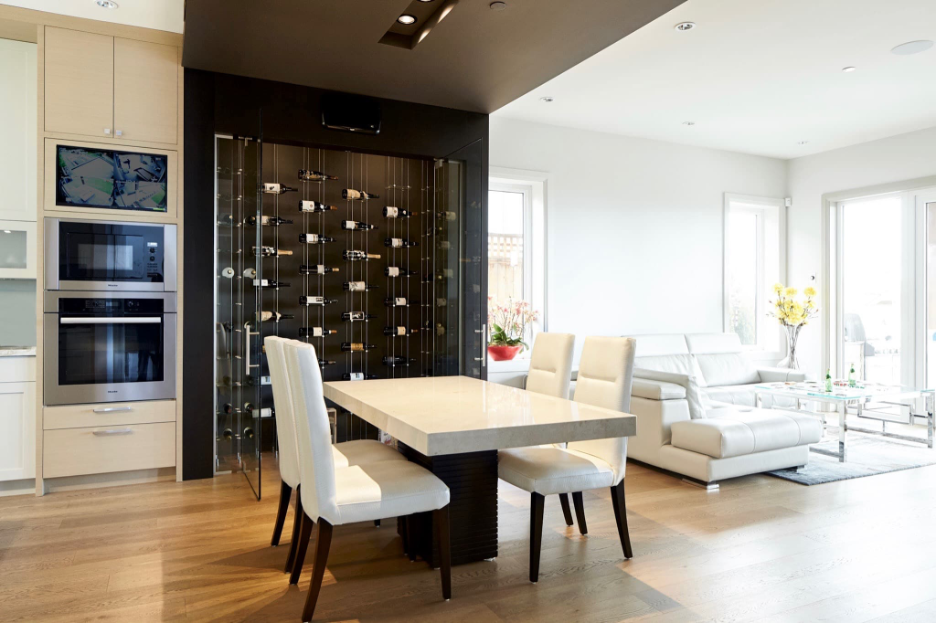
895, 159
634, 226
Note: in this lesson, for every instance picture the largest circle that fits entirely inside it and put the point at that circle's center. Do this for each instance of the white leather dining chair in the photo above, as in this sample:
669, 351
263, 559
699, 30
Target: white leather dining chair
349, 453
333, 495
605, 378
551, 373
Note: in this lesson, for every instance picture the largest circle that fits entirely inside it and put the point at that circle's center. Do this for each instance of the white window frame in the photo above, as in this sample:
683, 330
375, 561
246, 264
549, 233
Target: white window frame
533, 184
770, 340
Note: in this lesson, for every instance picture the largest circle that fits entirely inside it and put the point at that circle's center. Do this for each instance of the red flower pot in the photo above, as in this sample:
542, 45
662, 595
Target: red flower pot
503, 353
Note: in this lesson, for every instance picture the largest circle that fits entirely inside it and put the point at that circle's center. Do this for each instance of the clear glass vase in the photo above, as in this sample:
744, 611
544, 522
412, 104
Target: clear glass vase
792, 336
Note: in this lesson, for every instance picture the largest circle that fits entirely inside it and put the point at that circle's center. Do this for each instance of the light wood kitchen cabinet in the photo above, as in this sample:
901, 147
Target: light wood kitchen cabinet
17, 430
110, 87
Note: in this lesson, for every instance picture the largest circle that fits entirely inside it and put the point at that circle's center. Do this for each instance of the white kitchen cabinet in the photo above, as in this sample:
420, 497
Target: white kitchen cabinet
17, 430
18, 129
18, 254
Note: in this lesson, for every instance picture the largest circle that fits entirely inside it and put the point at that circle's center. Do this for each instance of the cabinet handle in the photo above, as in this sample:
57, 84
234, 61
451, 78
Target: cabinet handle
483, 358
119, 133
111, 410
110, 432
107, 131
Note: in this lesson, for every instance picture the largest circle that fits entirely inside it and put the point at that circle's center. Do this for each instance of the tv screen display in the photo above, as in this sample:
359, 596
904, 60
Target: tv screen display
105, 178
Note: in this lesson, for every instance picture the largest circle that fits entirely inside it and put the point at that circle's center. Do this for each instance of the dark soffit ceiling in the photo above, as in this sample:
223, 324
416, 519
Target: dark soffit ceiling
476, 59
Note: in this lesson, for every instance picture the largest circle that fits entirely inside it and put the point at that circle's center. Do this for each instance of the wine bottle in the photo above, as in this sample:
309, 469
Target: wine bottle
314, 176
263, 283
441, 302
355, 254
357, 346
358, 195
315, 239
270, 251
446, 274
266, 315
267, 220
392, 212
314, 206
447, 215
228, 408
398, 272
316, 332
248, 433
275, 188
399, 242
851, 377
398, 360
359, 286
356, 316
317, 269
309, 300
398, 302
324, 363
250, 273
357, 376
357, 225
445, 245
440, 329
399, 331
227, 434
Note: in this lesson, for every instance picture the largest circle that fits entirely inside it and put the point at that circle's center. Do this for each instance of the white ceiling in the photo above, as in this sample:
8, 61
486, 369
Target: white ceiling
156, 14
756, 76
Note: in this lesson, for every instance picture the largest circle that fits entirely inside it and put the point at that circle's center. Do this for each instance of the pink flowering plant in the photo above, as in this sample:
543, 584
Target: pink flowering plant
509, 322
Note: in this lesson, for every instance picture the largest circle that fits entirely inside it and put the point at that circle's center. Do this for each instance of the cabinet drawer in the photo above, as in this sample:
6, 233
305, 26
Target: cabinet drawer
18, 368
95, 450
108, 414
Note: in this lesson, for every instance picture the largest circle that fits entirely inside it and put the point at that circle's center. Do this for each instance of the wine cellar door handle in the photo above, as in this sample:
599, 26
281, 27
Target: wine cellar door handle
483, 332
247, 335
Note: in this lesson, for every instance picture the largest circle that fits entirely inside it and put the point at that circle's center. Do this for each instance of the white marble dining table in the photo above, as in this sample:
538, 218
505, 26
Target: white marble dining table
454, 426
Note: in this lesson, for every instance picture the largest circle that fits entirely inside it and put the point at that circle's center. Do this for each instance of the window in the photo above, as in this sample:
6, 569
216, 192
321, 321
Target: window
516, 241
754, 261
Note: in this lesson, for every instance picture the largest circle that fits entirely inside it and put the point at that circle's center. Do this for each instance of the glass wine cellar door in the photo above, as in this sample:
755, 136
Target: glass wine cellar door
376, 261
238, 373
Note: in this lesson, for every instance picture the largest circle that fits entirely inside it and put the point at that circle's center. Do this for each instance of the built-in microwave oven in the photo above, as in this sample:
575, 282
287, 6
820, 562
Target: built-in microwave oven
109, 255
103, 347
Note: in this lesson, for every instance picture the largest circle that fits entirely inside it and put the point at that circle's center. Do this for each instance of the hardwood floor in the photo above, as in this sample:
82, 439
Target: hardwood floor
760, 549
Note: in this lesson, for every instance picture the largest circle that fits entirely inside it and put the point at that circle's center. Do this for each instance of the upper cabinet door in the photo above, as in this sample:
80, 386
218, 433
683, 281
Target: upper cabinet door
146, 89
18, 130
79, 82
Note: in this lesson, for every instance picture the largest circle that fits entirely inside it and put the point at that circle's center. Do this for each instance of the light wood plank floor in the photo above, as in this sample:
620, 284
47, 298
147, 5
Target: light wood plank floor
761, 549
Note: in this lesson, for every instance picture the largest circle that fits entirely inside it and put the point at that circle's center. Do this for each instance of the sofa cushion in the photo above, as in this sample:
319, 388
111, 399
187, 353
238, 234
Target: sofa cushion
727, 369
657, 390
736, 395
661, 344
688, 382
684, 364
735, 433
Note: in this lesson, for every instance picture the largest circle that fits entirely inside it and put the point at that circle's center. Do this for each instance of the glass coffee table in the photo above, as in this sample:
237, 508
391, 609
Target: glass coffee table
864, 400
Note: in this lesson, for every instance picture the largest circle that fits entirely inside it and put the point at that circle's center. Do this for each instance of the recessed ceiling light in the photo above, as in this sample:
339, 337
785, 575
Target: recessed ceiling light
425, 0
546, 98
7, 231
913, 47
688, 123
497, 6
684, 26
849, 69
406, 19
107, 4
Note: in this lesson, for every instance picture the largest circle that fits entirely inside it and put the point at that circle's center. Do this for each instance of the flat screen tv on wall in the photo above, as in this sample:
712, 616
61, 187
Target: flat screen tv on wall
105, 178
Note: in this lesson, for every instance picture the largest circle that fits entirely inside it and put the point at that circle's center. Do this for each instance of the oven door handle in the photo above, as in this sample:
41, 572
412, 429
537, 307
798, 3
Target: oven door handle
110, 320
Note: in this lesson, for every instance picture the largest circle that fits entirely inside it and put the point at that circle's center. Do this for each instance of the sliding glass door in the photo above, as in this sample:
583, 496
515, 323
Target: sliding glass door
885, 296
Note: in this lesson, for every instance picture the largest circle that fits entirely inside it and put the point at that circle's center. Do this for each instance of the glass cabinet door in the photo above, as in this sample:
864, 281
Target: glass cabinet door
17, 250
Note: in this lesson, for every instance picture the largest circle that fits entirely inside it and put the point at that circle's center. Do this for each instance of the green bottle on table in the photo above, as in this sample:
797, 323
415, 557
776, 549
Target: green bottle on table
851, 377
828, 380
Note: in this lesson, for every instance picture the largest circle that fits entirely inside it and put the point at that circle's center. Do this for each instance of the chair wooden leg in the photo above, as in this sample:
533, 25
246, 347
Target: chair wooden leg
297, 527
566, 510
580, 512
620, 515
304, 534
285, 494
443, 534
404, 534
377, 523
318, 568
410, 542
537, 505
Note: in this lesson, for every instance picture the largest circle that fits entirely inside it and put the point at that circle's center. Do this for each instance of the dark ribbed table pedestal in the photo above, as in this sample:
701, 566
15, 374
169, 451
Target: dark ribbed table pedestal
472, 480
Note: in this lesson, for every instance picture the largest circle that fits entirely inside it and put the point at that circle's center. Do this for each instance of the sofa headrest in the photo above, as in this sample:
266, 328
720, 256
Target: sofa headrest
710, 343
661, 344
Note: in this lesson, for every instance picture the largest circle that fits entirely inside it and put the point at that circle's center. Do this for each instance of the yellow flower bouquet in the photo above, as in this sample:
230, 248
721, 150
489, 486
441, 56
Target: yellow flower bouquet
793, 313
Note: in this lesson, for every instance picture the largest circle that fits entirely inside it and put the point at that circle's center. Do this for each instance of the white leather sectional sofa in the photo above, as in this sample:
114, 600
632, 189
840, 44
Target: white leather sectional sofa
728, 437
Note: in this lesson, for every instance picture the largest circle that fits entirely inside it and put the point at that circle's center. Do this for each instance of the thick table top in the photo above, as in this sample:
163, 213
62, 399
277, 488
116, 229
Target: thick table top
448, 415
